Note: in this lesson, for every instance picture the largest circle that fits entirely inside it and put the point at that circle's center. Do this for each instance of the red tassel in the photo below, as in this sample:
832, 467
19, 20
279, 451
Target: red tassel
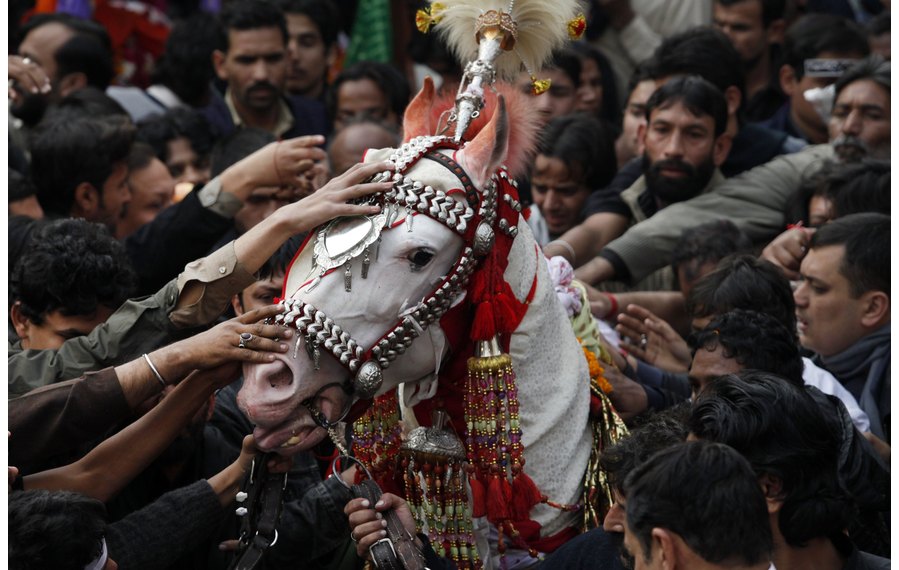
484, 325
524, 496
498, 499
477, 289
478, 503
508, 312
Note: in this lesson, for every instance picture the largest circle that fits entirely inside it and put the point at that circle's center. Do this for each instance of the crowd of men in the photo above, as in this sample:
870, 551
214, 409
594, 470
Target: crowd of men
716, 172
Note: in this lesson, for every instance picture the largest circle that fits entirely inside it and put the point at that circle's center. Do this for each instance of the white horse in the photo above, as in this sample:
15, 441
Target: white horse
415, 256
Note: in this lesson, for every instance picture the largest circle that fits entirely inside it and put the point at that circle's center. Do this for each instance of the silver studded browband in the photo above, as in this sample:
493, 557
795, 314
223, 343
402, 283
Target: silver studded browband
342, 240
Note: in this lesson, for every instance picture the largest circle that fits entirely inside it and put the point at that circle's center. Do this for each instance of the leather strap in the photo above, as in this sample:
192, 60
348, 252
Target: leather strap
258, 530
398, 550
471, 193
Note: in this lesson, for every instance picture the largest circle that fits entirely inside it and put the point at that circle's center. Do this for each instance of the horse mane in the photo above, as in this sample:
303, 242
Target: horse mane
523, 123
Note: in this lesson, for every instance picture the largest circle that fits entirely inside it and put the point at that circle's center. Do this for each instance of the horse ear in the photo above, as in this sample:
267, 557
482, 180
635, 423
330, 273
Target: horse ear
417, 120
487, 151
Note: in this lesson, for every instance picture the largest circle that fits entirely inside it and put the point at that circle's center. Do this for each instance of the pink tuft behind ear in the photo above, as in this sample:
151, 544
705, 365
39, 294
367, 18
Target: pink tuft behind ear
487, 151
417, 119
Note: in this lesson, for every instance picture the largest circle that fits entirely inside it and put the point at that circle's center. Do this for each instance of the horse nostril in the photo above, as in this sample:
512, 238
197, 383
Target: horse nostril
282, 378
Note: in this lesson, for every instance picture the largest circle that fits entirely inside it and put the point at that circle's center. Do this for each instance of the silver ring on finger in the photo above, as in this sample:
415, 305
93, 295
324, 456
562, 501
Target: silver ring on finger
353, 537
644, 340
27, 60
245, 338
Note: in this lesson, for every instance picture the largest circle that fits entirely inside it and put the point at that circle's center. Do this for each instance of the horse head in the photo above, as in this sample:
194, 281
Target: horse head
366, 293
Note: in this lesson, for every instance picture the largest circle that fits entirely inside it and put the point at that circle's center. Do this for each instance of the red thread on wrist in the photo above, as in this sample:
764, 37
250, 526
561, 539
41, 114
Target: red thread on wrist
613, 310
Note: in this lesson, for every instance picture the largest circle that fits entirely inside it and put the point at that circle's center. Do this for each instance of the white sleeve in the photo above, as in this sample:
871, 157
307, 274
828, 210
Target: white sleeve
827, 383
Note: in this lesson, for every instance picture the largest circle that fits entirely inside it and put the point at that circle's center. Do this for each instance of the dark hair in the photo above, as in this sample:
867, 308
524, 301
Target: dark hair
699, 96
611, 109
643, 72
584, 144
744, 282
707, 494
783, 433
385, 76
89, 51
708, 242
568, 62
280, 260
864, 236
658, 431
19, 187
873, 67
771, 9
185, 66
249, 15
159, 130
702, 51
66, 153
58, 530
756, 341
323, 13
86, 102
140, 157
814, 34
879, 24
236, 146
861, 187
72, 266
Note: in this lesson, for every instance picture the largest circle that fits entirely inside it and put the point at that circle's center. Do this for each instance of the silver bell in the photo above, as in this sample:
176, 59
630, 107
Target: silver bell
368, 380
483, 239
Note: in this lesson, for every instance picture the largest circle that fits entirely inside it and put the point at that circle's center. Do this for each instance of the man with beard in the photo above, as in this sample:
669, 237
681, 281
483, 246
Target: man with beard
755, 201
684, 144
252, 59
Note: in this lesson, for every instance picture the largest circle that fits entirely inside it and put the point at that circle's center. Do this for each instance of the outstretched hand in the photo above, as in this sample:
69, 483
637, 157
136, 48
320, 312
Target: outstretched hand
331, 200
652, 339
222, 344
368, 525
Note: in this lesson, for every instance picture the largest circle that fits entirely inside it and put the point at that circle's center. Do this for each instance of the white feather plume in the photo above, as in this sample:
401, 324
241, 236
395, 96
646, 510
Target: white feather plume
542, 27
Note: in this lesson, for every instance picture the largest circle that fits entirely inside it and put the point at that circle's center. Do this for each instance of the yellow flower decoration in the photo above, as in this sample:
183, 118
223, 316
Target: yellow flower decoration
596, 371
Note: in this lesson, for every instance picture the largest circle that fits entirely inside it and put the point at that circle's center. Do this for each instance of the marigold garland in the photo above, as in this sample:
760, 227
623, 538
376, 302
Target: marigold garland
597, 379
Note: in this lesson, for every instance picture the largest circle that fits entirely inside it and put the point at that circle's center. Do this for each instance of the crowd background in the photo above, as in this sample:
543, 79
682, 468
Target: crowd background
715, 172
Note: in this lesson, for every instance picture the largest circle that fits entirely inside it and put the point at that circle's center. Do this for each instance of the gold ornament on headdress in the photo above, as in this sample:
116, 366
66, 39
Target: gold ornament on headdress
428, 16
540, 86
576, 27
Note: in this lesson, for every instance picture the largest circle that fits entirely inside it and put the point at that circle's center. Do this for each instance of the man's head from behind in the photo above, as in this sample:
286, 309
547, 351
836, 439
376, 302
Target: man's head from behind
742, 282
57, 530
660, 431
787, 439
347, 146
683, 138
739, 340
845, 291
252, 54
697, 503
575, 156
79, 168
69, 279
700, 248
860, 120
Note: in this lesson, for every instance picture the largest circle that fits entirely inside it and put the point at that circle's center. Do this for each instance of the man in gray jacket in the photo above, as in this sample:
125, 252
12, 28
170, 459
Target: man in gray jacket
755, 200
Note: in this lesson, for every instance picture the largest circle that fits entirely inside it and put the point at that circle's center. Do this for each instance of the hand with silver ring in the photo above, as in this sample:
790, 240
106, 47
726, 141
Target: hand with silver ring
371, 524
644, 340
245, 338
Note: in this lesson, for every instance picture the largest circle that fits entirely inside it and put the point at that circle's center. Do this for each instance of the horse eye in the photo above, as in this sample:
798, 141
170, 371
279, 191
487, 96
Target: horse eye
420, 258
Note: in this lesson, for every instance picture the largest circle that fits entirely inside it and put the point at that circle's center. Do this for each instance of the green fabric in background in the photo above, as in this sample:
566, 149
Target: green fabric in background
372, 37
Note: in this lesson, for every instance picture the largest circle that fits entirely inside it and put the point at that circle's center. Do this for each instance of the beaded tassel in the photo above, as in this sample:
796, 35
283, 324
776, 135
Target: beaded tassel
376, 436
